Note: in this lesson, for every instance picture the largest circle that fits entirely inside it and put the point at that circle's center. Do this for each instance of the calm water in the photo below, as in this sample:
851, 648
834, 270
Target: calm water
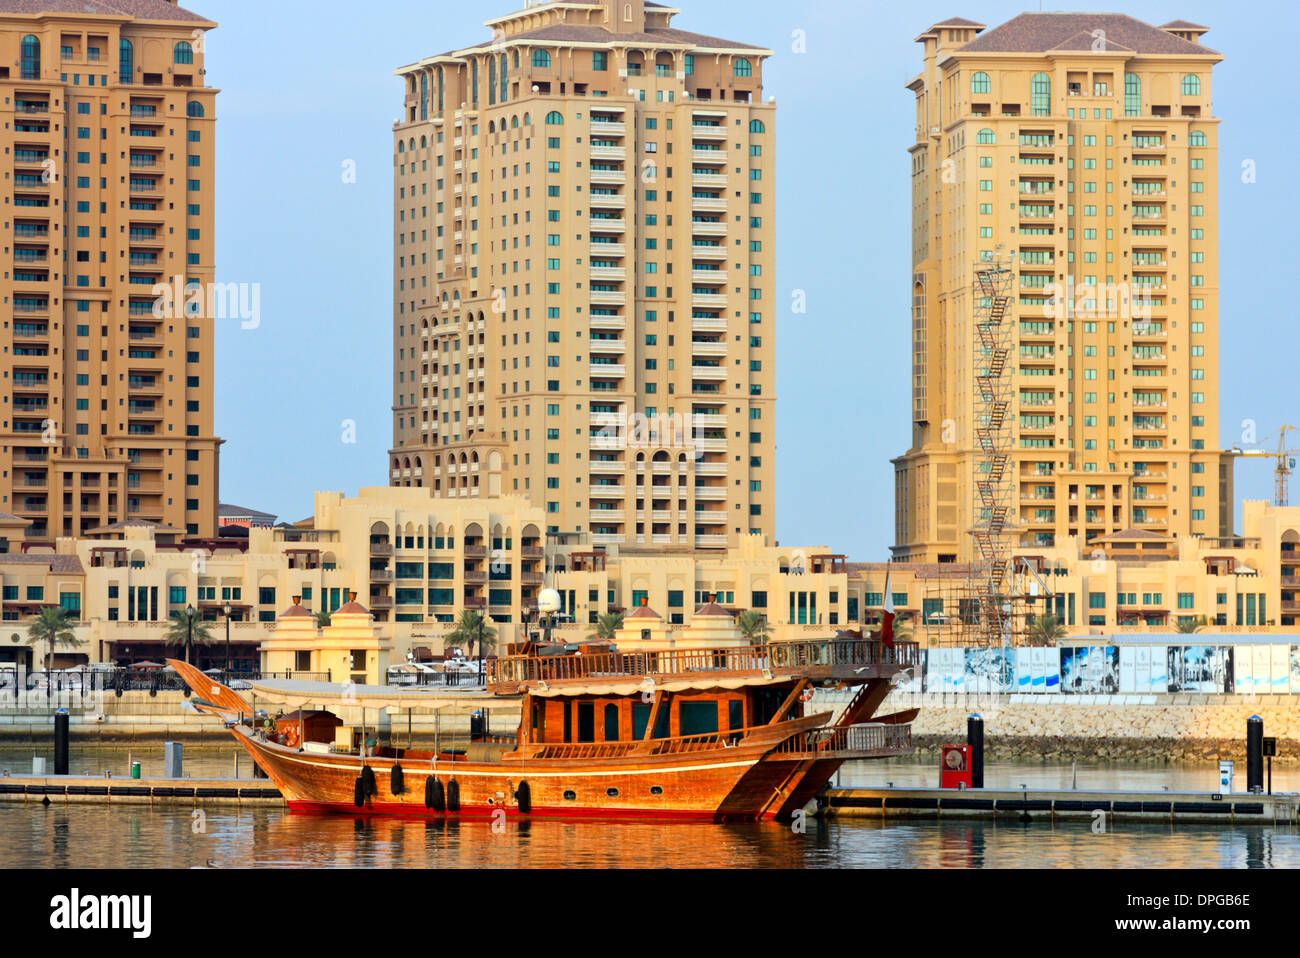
90, 836
100, 837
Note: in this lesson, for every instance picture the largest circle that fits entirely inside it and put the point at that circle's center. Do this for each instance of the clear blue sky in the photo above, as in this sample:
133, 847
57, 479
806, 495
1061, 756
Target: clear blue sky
308, 86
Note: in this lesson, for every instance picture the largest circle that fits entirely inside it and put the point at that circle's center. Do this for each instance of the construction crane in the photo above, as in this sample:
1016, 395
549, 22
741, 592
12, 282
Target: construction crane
1286, 464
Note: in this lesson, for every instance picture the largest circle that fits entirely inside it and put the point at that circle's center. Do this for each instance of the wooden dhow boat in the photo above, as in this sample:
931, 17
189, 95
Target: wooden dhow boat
720, 733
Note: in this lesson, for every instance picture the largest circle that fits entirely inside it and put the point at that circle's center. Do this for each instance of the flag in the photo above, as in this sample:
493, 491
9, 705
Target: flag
887, 623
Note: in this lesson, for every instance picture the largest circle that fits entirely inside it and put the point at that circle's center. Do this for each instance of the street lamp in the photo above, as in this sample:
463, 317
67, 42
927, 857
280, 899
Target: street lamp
189, 631
226, 609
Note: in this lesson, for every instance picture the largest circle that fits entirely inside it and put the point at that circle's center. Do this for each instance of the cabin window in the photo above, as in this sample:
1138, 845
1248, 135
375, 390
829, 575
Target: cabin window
612, 792
698, 718
656, 790
736, 714
611, 722
641, 718
570, 796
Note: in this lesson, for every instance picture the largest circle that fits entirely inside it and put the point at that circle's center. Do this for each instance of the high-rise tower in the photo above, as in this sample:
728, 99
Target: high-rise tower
108, 153
1082, 150
583, 275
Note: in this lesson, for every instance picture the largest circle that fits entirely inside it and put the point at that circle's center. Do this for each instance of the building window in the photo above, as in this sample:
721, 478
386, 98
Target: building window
554, 118
979, 83
125, 61
756, 126
745, 69
1132, 95
31, 58
1191, 85
541, 58
986, 137
183, 53
1042, 94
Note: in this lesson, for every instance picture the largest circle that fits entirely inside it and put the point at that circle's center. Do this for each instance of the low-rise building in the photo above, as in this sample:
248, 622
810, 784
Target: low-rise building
410, 564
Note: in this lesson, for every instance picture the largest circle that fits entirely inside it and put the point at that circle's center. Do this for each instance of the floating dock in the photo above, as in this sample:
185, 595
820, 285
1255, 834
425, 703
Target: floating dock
188, 792
1050, 805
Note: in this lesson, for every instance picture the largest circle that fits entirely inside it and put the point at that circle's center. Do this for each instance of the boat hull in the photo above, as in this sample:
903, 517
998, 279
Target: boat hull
684, 787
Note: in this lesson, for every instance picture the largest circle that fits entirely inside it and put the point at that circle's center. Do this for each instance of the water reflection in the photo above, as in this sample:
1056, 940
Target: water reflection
102, 837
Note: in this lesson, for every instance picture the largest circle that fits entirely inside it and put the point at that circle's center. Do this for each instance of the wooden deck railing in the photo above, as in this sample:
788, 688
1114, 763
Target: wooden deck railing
871, 739
839, 655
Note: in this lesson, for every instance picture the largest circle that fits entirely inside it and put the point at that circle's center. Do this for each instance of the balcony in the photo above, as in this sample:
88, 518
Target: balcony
709, 204
710, 493
607, 200
708, 228
711, 277
607, 128
604, 516
708, 131
718, 157
600, 467
712, 324
609, 153
607, 322
715, 373
615, 273
709, 349
711, 542
607, 297
714, 180
611, 177
709, 300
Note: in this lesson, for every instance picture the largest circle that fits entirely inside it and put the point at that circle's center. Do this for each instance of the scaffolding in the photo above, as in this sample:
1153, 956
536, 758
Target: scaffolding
982, 602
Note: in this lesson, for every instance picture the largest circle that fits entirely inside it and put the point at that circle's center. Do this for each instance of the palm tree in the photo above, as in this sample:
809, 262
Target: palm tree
1188, 624
470, 628
53, 626
322, 619
902, 630
188, 628
1046, 629
607, 626
753, 626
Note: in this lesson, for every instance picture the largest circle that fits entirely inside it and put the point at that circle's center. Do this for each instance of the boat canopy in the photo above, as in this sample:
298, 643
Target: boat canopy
297, 694
631, 687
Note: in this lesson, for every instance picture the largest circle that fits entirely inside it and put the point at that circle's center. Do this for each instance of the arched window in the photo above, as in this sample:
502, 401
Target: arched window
514, 123
1191, 85
424, 96
541, 58
401, 146
1041, 95
756, 126
183, 53
528, 119
492, 80
979, 83
744, 68
986, 138
1132, 95
1199, 138
554, 118
505, 76
31, 58
194, 110
125, 61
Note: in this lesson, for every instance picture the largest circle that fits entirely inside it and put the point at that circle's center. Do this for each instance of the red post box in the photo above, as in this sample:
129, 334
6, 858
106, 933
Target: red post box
955, 767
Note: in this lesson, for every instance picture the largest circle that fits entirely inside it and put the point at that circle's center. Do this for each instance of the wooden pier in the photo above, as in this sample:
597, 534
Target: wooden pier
1051, 805
188, 792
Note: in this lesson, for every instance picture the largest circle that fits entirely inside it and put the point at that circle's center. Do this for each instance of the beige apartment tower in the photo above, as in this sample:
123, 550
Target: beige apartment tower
583, 276
108, 185
1080, 153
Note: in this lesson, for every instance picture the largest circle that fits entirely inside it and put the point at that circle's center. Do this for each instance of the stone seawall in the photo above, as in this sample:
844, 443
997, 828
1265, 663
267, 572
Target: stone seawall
1067, 732
1056, 728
